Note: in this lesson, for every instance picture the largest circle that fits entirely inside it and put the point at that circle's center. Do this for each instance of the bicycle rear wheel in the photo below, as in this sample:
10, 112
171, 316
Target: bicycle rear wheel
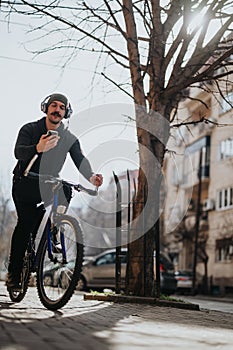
56, 281
17, 296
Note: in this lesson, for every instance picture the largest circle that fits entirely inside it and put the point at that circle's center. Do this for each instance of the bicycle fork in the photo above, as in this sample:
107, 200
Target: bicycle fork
50, 238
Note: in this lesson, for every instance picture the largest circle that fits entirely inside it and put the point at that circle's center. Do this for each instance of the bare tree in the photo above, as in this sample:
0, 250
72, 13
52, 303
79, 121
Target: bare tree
7, 220
165, 47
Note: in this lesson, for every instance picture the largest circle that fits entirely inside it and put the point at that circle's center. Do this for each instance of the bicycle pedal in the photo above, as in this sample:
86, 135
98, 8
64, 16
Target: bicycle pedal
17, 290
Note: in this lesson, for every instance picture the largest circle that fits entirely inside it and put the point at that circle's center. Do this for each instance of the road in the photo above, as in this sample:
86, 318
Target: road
95, 325
210, 303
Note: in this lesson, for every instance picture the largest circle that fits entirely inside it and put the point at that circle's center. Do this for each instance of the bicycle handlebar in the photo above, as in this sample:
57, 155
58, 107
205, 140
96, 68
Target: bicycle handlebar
81, 188
57, 180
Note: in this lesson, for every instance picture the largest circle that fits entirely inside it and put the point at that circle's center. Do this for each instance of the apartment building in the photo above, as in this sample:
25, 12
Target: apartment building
199, 196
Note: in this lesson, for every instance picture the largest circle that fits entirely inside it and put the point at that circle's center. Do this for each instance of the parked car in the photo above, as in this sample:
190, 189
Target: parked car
185, 281
99, 272
49, 279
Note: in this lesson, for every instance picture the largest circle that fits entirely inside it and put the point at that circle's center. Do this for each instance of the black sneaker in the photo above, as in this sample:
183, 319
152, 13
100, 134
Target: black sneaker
12, 283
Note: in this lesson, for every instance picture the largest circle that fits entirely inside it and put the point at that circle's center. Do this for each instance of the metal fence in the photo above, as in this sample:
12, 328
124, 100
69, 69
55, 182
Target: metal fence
129, 204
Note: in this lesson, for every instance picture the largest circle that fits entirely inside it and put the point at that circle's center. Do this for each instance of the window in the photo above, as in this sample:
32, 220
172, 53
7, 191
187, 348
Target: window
109, 258
226, 148
192, 160
224, 249
225, 105
225, 198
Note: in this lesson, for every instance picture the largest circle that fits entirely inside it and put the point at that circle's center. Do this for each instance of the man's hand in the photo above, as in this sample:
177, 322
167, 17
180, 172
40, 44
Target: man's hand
47, 142
96, 180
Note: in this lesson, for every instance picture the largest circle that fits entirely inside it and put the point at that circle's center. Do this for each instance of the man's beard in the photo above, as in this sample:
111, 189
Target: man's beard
55, 122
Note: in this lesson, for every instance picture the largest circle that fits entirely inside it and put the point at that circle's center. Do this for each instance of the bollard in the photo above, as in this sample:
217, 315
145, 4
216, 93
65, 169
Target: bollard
118, 235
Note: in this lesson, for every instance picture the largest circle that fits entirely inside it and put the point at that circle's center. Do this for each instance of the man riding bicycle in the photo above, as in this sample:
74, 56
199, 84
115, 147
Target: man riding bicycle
29, 198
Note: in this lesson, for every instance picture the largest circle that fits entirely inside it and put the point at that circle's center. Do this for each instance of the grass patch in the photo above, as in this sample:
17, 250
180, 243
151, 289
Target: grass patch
162, 296
95, 292
112, 293
167, 297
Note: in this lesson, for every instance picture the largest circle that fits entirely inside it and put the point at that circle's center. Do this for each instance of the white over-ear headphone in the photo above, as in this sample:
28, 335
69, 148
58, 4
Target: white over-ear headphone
44, 107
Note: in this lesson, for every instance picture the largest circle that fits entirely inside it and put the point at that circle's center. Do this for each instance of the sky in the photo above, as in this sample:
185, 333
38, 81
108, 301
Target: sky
101, 112
100, 117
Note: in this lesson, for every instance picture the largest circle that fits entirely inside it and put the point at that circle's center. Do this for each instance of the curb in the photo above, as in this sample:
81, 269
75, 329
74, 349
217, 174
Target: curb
117, 298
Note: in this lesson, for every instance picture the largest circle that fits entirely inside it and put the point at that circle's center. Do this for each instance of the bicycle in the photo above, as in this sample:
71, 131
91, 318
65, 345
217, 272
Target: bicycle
60, 244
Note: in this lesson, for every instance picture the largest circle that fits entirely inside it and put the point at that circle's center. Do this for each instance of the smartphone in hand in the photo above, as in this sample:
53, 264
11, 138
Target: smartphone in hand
51, 132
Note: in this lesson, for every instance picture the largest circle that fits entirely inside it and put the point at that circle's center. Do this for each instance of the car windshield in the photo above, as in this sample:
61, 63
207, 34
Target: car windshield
185, 273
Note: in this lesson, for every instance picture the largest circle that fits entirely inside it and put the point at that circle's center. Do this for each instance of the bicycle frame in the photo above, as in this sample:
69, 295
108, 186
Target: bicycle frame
53, 217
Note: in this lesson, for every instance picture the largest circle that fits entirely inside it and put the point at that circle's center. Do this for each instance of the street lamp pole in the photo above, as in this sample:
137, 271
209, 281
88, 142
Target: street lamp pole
197, 223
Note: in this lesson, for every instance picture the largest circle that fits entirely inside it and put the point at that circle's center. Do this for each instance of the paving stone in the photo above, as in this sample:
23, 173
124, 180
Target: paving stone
95, 325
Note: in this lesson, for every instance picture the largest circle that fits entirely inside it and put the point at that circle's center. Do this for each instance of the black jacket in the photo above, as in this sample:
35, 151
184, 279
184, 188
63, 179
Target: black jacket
50, 162
32, 191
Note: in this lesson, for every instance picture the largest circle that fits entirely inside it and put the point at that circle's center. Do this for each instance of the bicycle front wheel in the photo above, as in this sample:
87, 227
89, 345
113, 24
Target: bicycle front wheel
56, 281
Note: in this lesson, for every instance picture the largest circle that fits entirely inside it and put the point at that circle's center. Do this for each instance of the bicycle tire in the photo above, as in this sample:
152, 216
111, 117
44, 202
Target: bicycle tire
55, 296
18, 296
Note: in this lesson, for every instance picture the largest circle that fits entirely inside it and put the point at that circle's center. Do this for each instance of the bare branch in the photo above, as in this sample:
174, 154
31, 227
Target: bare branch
201, 120
72, 25
133, 52
118, 86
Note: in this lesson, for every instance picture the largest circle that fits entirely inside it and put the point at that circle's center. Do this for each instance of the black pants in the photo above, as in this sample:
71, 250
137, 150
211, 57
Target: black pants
29, 219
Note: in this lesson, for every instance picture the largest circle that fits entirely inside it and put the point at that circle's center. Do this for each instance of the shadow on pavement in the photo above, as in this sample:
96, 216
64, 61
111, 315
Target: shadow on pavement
94, 325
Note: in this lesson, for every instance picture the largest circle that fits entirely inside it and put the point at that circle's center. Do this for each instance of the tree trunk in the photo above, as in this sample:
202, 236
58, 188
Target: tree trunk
153, 132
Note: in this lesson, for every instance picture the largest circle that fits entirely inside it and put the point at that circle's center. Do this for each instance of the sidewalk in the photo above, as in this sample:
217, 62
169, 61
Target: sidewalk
96, 325
222, 299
